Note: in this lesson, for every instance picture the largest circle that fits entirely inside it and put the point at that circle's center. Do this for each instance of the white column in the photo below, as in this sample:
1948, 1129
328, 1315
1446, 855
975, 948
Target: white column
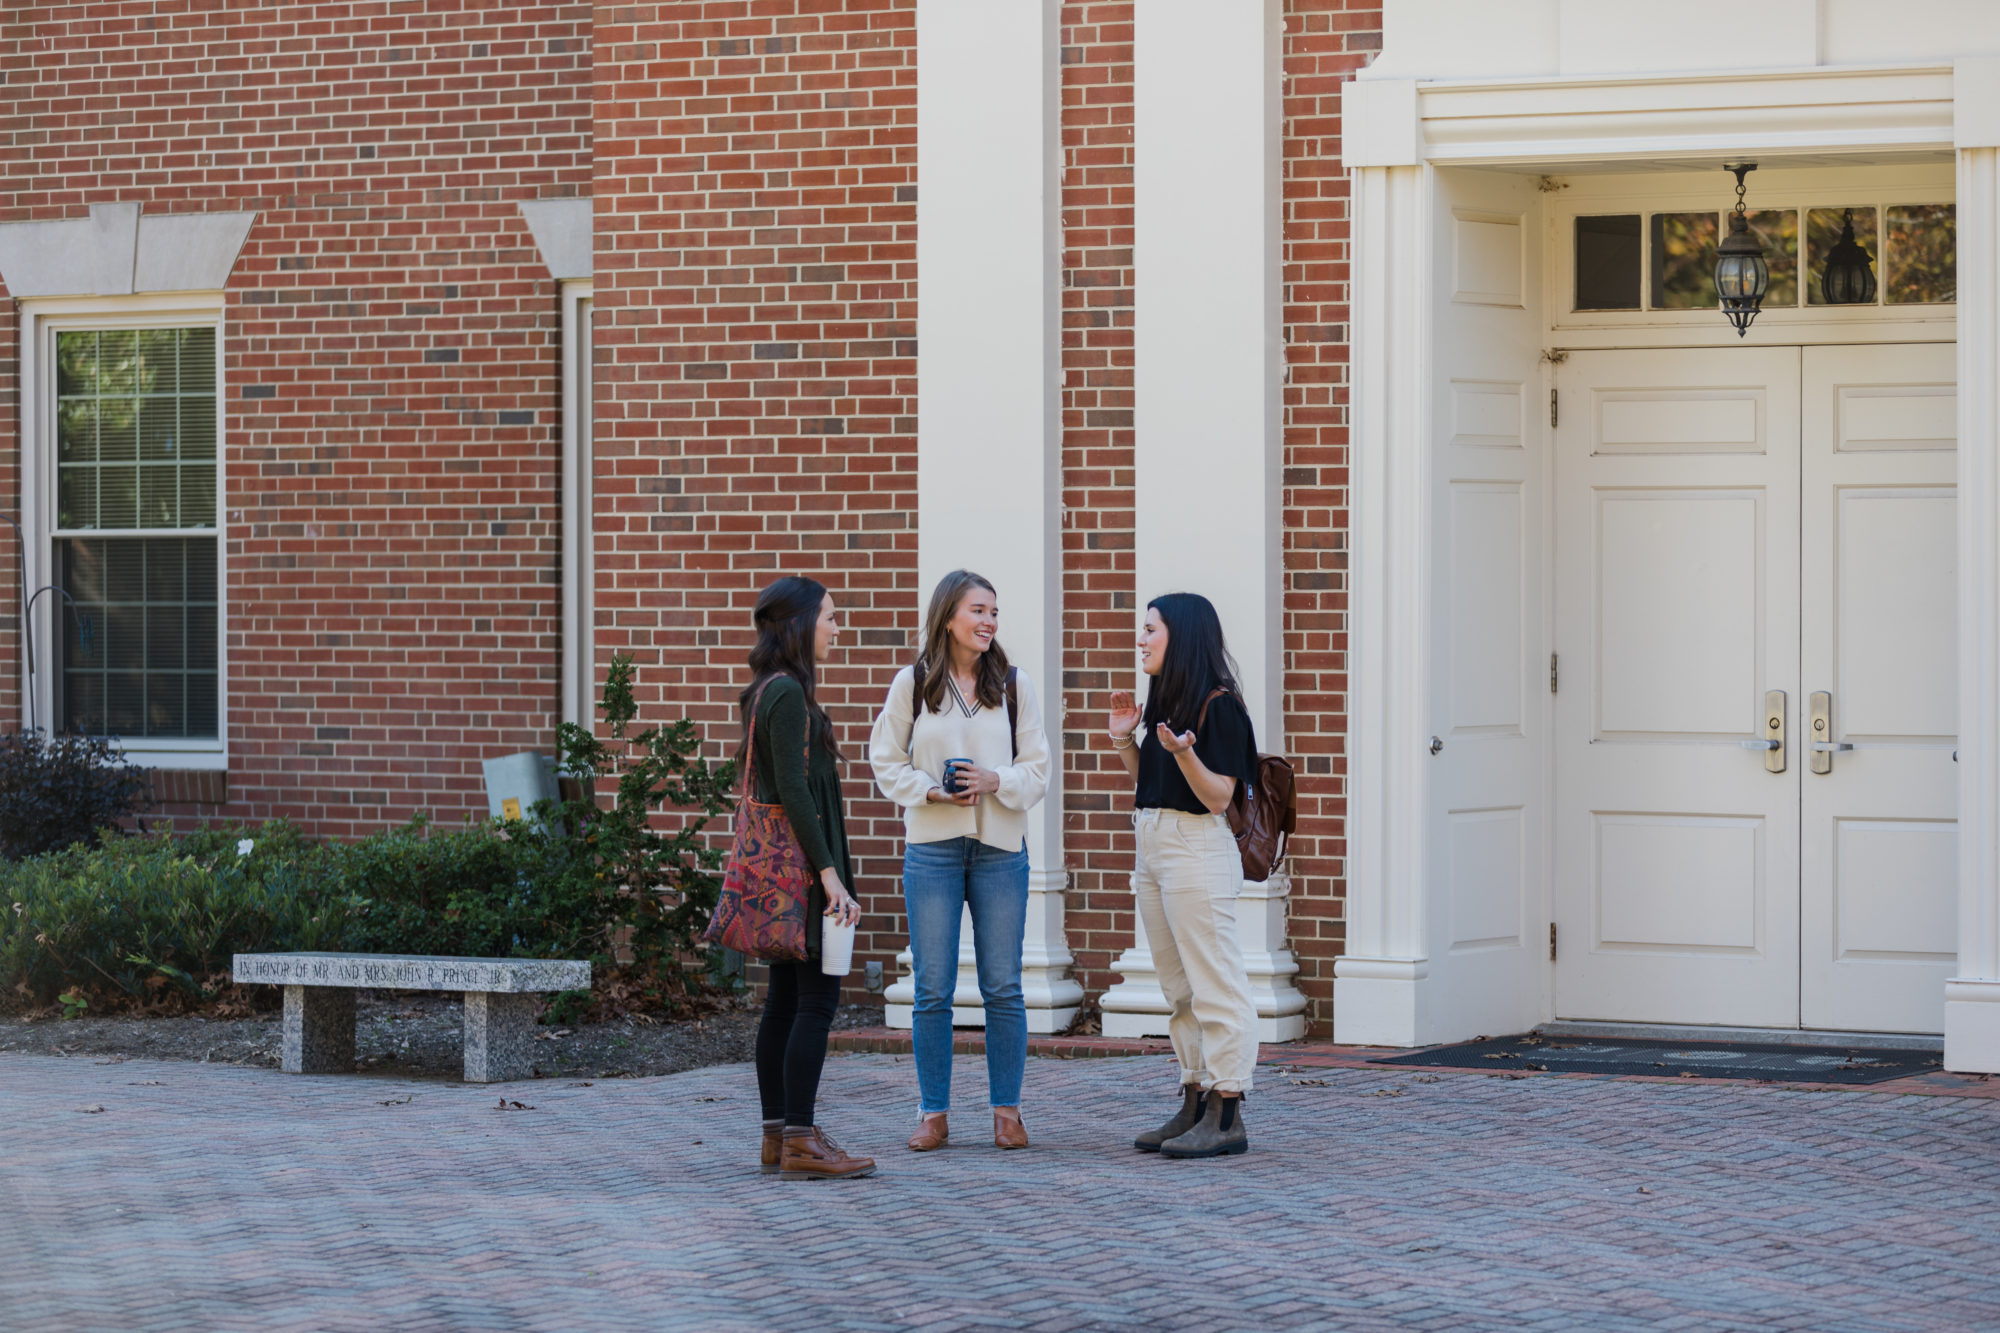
1208, 375
1972, 997
1377, 989
989, 466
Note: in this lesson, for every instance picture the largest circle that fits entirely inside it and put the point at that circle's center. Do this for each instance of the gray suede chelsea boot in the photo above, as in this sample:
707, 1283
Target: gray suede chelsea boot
1220, 1133
1184, 1120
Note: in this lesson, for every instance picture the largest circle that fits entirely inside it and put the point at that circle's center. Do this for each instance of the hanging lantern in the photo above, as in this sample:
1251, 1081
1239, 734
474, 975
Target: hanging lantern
1849, 276
1741, 275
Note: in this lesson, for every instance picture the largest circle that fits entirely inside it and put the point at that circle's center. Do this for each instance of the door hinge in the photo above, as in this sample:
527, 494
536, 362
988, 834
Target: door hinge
1552, 409
1553, 676
1552, 941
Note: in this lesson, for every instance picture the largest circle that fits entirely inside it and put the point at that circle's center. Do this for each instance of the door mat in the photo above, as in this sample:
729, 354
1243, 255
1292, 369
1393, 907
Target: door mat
1676, 1059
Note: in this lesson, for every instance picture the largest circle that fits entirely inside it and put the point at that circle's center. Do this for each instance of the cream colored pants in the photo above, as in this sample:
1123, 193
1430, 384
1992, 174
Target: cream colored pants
1186, 879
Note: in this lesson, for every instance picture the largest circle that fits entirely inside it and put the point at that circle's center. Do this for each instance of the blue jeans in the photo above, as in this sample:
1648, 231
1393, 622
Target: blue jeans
938, 879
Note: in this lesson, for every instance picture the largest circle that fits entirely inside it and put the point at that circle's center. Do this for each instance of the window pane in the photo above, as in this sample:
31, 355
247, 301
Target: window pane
1607, 263
1922, 254
136, 396
1684, 261
198, 361
1823, 226
1777, 230
76, 362
197, 438
139, 651
154, 368
117, 353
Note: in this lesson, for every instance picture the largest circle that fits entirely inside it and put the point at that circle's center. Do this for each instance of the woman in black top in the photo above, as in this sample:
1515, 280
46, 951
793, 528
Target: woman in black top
797, 764
1196, 747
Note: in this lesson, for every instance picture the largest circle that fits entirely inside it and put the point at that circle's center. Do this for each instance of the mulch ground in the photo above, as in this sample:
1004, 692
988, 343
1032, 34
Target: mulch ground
415, 1036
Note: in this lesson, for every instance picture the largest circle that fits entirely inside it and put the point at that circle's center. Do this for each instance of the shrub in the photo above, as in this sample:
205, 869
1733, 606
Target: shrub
156, 919
57, 791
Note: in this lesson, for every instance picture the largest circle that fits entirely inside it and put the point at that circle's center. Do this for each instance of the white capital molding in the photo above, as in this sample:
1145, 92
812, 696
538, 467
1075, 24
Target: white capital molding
118, 252
562, 232
1651, 117
1378, 123
1975, 83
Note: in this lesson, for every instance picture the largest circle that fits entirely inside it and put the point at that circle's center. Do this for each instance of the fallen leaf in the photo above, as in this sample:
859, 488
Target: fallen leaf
711, 1099
697, 1143
1644, 1190
1687, 1073
147, 1083
92, 1109
576, 1085
1310, 1083
399, 1101
516, 1106
1425, 1078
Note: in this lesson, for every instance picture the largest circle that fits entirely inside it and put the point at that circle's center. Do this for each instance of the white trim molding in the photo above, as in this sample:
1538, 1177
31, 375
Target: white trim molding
40, 321
579, 675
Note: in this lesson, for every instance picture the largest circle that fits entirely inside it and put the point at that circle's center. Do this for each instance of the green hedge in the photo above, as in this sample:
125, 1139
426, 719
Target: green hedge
155, 919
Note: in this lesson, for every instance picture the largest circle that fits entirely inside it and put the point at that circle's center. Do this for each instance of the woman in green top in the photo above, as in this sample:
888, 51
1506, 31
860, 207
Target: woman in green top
797, 764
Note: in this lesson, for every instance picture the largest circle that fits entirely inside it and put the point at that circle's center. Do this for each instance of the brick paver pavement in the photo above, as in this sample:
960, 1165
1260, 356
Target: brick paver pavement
205, 1197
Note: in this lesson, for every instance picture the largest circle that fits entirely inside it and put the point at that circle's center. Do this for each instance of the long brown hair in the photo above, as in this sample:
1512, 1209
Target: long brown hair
934, 659
787, 618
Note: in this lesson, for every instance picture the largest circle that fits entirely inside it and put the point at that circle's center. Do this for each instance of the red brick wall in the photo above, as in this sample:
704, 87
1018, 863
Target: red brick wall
756, 411
1100, 618
392, 420
1326, 41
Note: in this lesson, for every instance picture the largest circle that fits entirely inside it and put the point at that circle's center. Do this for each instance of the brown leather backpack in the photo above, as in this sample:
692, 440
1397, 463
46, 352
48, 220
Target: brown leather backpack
1263, 812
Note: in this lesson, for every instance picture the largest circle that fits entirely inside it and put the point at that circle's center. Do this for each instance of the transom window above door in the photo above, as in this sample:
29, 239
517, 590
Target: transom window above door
1666, 260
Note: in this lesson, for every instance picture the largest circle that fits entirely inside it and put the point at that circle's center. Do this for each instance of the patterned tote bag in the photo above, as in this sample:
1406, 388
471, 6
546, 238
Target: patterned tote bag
762, 910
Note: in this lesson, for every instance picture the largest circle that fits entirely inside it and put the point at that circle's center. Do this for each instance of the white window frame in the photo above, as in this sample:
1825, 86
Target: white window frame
579, 676
41, 320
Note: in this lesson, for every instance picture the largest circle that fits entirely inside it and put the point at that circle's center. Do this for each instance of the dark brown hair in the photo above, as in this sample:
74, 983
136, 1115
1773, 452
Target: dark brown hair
787, 618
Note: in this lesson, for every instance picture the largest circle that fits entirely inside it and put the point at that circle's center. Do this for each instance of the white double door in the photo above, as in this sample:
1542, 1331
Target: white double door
1739, 531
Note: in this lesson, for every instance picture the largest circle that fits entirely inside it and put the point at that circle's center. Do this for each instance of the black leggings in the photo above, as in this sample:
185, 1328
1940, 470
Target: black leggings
791, 1041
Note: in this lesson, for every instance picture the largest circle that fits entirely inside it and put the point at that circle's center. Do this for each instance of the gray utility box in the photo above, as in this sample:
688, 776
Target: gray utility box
514, 782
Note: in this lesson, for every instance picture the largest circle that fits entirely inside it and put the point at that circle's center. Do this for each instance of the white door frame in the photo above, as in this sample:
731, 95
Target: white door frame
1398, 132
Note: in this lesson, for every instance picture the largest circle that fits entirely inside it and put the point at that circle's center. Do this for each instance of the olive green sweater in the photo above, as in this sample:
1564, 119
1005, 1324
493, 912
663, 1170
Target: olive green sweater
807, 783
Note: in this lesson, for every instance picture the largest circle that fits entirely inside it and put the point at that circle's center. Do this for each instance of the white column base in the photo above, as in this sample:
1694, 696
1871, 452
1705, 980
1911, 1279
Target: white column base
1972, 1026
1260, 928
1379, 1001
1136, 1007
1051, 994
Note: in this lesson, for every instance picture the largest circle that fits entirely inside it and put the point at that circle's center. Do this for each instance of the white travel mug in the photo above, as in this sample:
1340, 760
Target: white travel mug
836, 946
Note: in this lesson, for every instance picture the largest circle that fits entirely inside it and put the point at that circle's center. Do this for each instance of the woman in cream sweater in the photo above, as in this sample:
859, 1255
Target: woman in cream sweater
959, 746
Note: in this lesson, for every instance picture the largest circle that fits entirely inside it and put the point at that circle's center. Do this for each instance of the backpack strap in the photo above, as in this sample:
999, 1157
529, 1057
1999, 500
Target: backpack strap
1013, 715
1213, 695
916, 703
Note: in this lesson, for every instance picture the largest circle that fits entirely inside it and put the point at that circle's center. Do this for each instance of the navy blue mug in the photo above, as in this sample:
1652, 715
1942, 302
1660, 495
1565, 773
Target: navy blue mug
952, 785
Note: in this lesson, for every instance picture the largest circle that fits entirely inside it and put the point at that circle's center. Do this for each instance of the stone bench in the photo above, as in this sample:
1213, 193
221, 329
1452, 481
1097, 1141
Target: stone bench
499, 1003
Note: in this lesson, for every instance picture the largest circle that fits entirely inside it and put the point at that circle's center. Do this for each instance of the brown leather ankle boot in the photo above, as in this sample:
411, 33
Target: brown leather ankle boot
808, 1154
1008, 1131
931, 1134
774, 1138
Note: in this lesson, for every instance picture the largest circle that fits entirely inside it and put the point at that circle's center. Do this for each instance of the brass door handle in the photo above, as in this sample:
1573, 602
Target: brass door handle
1819, 708
1773, 742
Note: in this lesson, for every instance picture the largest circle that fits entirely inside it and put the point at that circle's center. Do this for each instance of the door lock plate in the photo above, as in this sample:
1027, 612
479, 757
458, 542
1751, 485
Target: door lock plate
1774, 731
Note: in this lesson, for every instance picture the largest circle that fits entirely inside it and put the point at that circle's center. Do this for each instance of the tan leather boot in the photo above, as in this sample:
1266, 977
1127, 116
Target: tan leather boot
1008, 1131
808, 1154
774, 1138
931, 1133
